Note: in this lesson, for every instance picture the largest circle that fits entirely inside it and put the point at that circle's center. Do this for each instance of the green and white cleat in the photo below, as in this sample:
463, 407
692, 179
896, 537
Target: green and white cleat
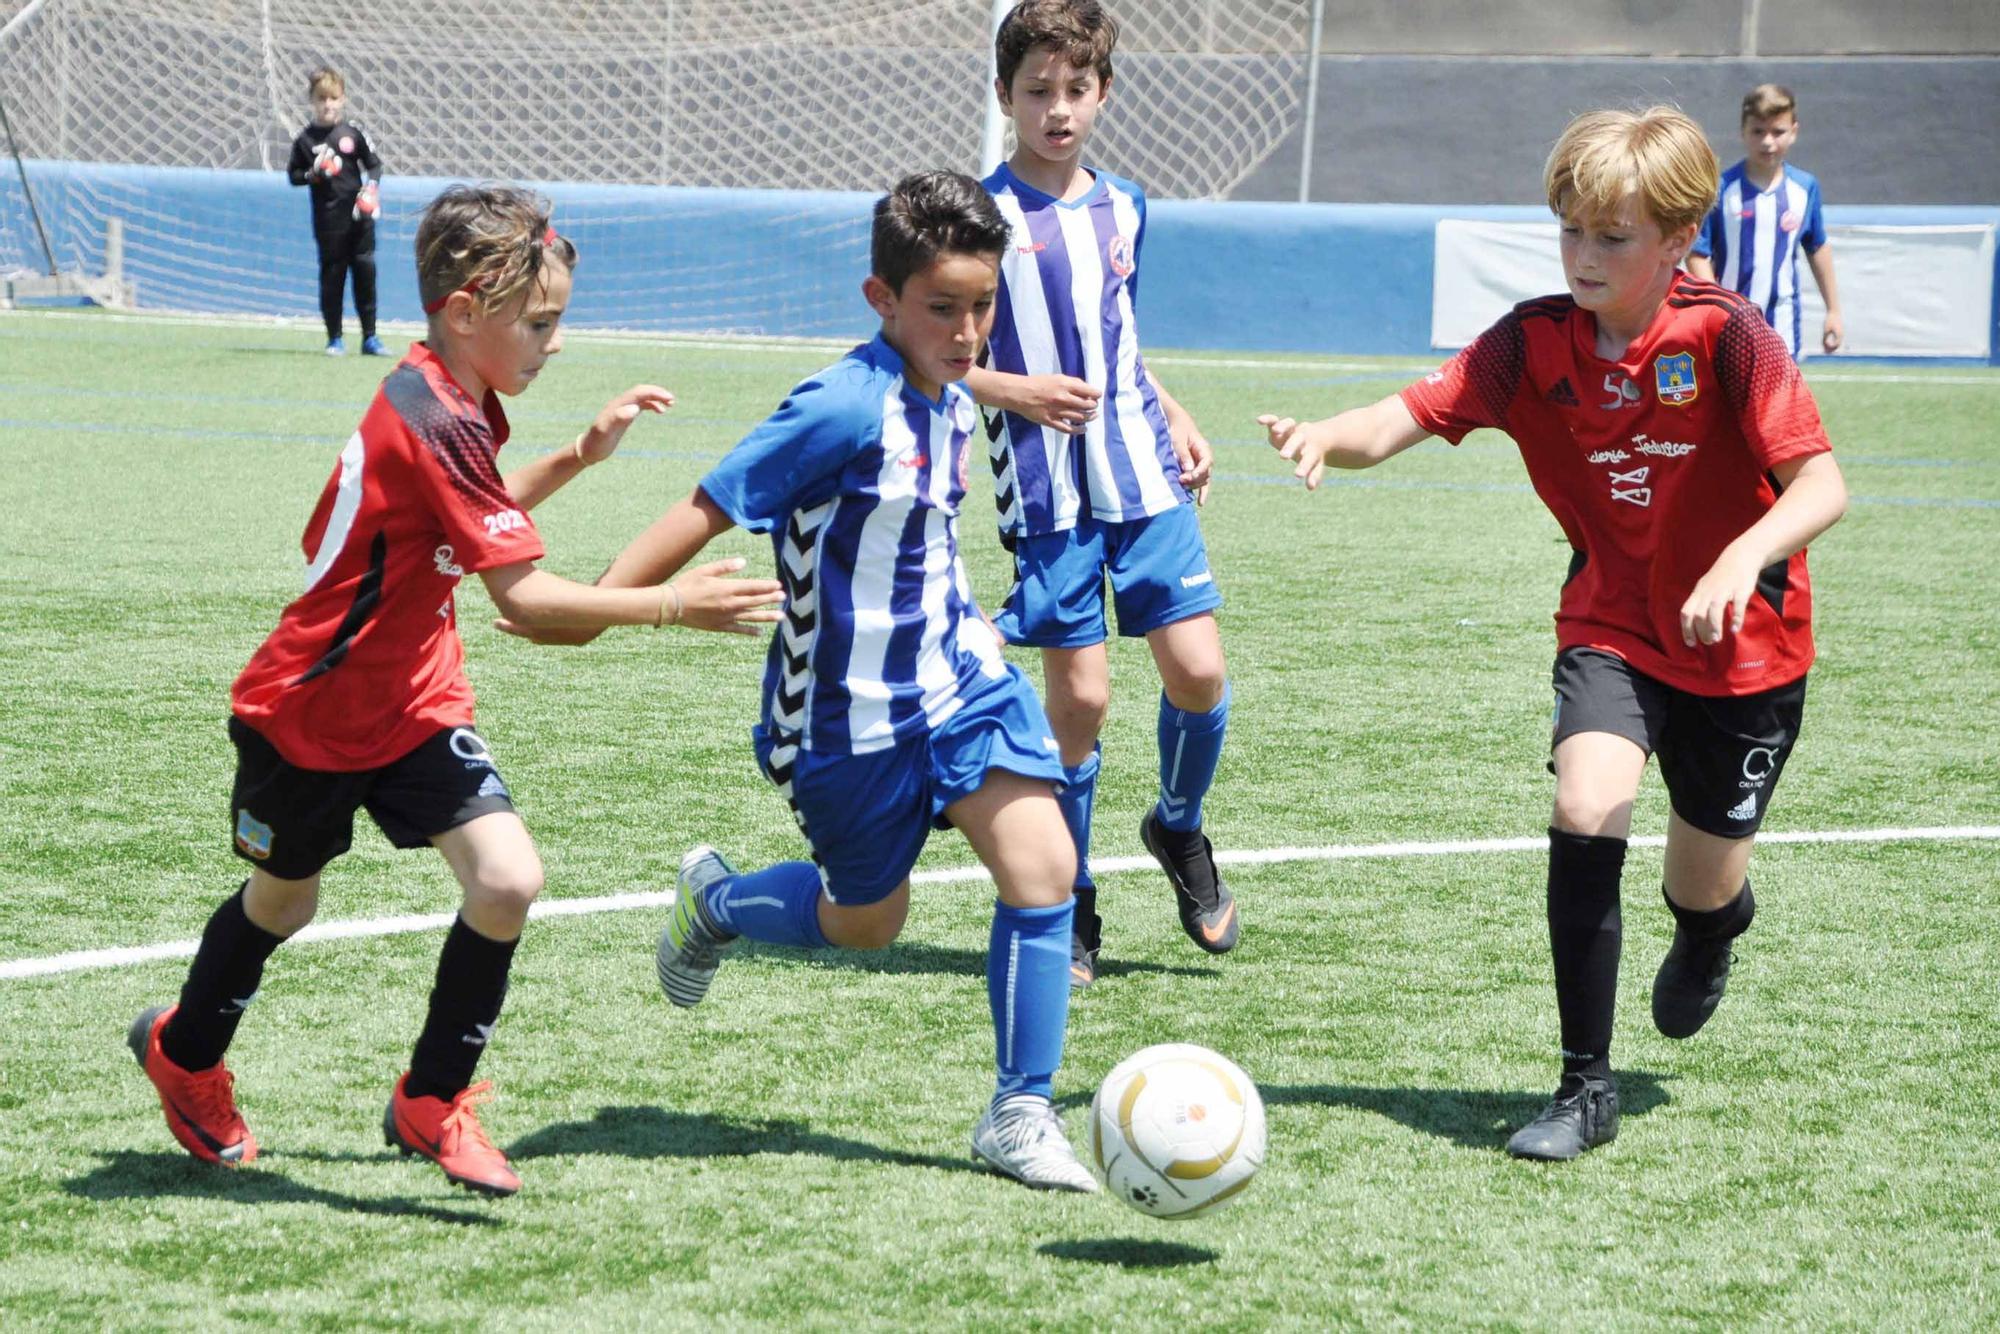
692, 944
1022, 1137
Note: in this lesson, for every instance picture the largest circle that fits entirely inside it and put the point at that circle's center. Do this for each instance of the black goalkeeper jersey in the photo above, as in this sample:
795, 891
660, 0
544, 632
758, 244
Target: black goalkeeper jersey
333, 196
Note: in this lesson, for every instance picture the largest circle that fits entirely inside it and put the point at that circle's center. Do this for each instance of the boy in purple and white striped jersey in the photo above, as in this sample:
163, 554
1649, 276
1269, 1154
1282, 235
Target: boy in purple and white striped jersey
888, 710
1095, 464
1767, 213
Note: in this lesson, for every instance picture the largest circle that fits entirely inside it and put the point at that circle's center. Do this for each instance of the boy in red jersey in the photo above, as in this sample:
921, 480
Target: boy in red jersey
359, 698
1669, 432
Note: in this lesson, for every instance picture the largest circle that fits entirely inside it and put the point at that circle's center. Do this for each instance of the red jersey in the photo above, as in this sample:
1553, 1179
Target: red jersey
366, 663
1652, 465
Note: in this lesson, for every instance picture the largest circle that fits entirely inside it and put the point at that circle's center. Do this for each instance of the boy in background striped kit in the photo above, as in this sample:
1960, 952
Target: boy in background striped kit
1767, 212
1095, 465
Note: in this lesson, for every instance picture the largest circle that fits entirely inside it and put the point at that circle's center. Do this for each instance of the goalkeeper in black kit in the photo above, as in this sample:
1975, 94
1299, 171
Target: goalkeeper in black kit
334, 157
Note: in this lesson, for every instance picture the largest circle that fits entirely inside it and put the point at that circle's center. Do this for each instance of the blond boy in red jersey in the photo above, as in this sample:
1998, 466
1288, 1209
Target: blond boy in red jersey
1668, 430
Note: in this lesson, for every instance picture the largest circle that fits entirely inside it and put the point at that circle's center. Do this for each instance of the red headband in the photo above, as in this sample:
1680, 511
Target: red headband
548, 238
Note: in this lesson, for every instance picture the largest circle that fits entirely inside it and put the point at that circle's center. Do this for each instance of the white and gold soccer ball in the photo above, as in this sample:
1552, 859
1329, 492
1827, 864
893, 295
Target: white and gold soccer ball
1177, 1131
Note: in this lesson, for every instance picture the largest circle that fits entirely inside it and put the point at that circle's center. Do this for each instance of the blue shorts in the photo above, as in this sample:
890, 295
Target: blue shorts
868, 816
1159, 575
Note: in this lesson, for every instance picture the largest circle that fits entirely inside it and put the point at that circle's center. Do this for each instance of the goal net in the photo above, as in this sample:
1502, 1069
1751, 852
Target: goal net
175, 118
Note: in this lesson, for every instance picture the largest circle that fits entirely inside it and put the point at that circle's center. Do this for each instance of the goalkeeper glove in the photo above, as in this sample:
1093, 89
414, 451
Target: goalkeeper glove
326, 162
367, 204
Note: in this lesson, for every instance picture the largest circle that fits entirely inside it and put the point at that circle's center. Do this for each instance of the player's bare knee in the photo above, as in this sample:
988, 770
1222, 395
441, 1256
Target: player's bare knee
872, 926
1591, 813
281, 907
1041, 892
1078, 713
871, 935
508, 889
1039, 878
1196, 689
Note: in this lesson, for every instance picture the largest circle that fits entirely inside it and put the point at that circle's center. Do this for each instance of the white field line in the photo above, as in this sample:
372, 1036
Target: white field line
82, 960
779, 343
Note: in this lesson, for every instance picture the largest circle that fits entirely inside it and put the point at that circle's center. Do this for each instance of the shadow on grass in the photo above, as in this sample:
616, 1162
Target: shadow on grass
654, 1132
1130, 1253
1471, 1118
128, 1175
919, 958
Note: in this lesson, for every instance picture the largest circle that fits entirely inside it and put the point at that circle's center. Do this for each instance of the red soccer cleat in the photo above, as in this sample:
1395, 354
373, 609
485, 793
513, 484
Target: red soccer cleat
449, 1134
200, 1105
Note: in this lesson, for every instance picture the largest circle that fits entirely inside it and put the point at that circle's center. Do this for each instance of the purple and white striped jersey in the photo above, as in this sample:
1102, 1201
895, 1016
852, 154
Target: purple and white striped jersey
1068, 285
1754, 236
858, 478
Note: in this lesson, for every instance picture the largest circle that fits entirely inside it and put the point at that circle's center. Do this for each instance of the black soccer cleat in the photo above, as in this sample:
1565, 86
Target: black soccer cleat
1689, 984
1082, 963
1207, 908
1583, 1115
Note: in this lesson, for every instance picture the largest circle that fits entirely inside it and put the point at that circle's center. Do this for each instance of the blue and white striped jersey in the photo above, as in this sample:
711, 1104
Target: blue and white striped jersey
1754, 237
1068, 284
858, 478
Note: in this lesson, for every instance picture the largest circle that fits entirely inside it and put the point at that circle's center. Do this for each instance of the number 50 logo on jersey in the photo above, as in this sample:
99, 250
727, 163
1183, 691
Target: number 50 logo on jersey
1673, 379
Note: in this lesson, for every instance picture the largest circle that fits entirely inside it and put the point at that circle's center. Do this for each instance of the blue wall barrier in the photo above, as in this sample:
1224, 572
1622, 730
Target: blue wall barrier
1334, 278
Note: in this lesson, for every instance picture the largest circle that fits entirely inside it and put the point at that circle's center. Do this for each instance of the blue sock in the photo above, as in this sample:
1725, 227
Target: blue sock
1076, 800
1190, 745
1027, 985
778, 905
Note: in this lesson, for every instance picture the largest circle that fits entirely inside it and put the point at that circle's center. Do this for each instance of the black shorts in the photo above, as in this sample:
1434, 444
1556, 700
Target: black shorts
293, 821
1721, 755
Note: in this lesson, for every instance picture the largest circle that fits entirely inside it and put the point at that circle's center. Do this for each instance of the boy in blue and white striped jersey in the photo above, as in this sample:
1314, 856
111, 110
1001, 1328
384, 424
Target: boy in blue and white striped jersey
888, 710
1767, 212
1096, 466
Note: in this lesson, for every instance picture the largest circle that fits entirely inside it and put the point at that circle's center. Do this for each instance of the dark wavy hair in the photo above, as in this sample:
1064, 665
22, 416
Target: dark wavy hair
932, 213
1079, 29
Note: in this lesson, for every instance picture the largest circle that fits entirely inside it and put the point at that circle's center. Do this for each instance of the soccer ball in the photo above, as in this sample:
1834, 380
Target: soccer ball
1177, 1130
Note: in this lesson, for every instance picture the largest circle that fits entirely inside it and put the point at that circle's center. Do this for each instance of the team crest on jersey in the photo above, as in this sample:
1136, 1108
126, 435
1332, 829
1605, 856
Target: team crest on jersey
1673, 378
347, 144
1119, 254
1790, 222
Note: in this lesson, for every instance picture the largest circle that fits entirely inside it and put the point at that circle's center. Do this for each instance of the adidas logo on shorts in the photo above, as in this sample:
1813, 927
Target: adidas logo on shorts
1745, 809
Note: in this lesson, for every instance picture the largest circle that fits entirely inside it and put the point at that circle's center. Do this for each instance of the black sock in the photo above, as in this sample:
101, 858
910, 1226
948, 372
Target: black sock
1585, 930
220, 985
465, 1004
1087, 924
1729, 921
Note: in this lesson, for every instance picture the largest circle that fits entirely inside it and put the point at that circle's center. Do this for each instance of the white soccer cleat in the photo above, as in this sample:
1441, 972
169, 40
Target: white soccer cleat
1022, 1137
692, 944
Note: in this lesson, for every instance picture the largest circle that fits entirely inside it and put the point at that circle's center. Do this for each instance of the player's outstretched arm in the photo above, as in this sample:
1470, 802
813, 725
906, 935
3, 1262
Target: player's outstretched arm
1059, 402
1358, 438
1813, 498
709, 599
537, 480
532, 600
1191, 448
